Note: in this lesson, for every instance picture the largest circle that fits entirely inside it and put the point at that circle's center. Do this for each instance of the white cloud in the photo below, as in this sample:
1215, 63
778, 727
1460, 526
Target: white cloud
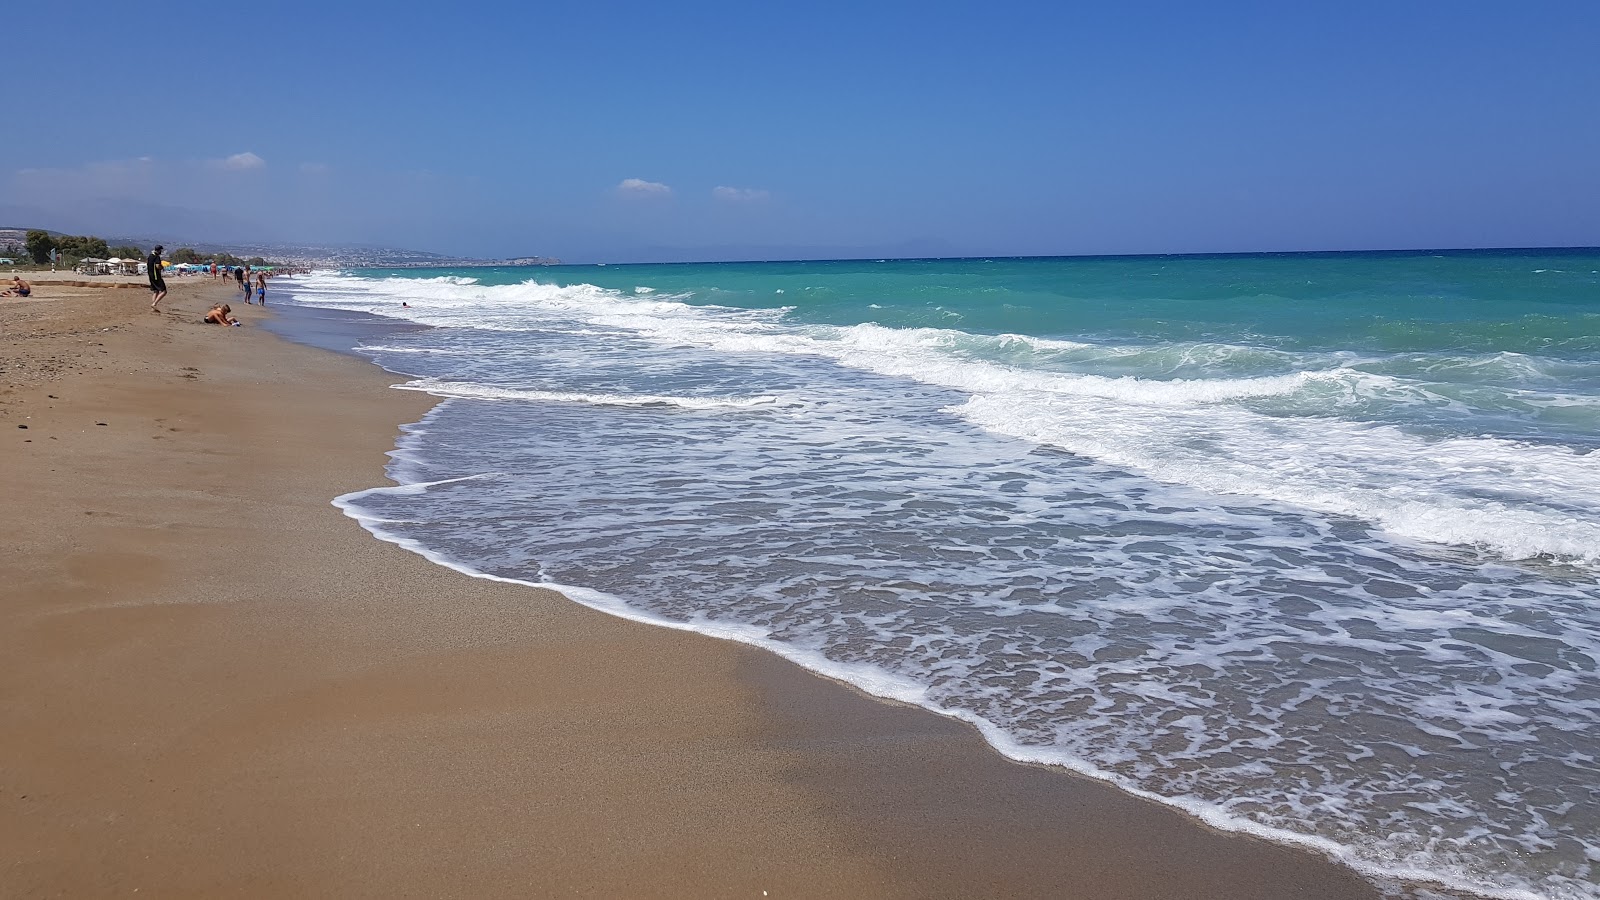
740, 195
242, 161
640, 187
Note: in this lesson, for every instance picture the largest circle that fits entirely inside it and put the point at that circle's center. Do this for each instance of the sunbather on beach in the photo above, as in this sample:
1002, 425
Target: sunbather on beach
219, 315
19, 288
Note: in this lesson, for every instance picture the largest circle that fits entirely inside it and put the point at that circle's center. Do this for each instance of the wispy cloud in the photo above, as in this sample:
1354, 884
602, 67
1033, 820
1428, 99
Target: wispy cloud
740, 195
642, 188
241, 162
106, 177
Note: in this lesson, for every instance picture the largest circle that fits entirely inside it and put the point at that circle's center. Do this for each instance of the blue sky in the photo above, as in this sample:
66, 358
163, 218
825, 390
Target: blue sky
710, 130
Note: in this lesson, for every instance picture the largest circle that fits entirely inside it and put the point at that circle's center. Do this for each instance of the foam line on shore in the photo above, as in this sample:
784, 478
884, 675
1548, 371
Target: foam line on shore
473, 391
1364, 852
884, 685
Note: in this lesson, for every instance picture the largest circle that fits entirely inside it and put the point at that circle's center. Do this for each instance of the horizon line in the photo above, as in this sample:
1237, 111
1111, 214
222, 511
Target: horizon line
1194, 254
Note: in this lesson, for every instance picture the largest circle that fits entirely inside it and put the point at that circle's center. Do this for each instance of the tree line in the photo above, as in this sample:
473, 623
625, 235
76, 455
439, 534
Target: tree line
191, 256
74, 247
70, 248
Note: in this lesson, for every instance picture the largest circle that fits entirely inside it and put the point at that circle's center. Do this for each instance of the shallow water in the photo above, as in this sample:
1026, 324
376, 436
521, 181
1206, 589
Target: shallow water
1305, 545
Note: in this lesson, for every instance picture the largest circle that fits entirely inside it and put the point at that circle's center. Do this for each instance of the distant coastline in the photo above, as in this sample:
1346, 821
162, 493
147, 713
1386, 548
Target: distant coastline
1086, 257
320, 256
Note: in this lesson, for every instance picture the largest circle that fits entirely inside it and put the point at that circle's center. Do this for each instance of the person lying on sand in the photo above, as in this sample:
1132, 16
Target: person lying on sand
218, 315
19, 288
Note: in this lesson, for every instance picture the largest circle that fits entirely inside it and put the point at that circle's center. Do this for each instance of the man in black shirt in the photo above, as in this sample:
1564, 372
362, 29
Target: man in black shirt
158, 285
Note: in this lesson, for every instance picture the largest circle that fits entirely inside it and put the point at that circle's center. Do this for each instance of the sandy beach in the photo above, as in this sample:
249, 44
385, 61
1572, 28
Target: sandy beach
214, 683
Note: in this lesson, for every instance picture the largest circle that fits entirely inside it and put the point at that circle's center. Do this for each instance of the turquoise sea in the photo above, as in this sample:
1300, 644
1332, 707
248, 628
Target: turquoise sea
1304, 544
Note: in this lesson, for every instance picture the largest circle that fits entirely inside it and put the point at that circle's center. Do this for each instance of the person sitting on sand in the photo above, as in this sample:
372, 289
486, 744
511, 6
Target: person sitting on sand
19, 288
219, 315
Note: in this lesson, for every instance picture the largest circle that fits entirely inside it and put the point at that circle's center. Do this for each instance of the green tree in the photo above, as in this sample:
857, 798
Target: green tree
185, 255
127, 252
256, 261
70, 248
39, 244
228, 259
80, 246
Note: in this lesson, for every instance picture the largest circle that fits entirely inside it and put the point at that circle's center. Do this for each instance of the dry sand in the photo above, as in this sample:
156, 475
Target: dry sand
213, 683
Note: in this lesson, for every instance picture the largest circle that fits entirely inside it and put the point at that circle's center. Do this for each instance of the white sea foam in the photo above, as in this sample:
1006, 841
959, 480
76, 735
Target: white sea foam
1411, 866
1195, 431
473, 391
1448, 492
1198, 632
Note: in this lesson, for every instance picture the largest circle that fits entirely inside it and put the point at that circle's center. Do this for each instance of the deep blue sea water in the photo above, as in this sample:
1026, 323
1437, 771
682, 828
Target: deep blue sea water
1307, 545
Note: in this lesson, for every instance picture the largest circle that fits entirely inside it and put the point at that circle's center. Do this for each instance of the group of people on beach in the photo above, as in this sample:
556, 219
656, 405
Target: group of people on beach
242, 278
219, 313
245, 279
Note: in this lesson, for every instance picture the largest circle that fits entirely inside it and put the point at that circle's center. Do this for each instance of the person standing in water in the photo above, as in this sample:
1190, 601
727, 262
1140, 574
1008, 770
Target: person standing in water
261, 288
158, 285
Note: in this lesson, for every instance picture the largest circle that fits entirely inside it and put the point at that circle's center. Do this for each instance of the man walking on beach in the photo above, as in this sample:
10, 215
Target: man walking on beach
238, 279
158, 285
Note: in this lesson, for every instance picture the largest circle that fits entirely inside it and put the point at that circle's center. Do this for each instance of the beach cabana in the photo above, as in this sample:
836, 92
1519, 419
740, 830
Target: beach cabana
91, 265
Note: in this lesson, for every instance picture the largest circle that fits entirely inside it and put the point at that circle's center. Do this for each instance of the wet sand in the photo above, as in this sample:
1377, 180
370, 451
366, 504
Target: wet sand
214, 683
